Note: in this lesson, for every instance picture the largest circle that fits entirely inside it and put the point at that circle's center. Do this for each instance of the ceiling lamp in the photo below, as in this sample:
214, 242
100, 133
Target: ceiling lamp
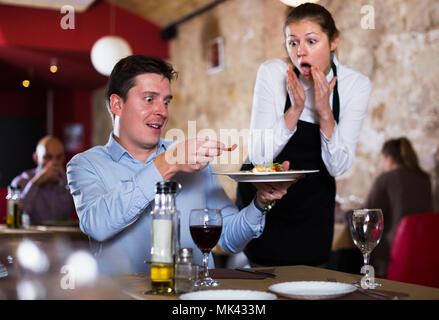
53, 65
296, 3
108, 50
25, 83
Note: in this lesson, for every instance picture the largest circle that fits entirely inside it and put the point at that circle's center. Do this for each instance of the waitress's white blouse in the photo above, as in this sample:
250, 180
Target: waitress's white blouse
268, 131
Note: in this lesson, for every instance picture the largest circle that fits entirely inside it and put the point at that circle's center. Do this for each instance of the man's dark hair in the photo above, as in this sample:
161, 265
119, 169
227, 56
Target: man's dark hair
123, 76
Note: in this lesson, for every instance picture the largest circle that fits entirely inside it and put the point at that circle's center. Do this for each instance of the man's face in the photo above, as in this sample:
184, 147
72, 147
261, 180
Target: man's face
50, 151
144, 113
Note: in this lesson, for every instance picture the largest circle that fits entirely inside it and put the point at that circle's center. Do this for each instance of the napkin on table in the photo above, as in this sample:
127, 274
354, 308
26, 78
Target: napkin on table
223, 273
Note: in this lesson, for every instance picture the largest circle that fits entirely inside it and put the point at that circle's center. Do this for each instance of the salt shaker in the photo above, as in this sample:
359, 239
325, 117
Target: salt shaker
183, 279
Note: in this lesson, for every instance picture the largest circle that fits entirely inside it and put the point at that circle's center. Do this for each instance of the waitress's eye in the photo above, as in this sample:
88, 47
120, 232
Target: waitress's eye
312, 41
292, 43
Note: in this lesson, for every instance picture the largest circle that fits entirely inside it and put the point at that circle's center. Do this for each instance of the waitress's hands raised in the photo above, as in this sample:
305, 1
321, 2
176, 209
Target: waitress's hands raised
322, 92
295, 90
297, 98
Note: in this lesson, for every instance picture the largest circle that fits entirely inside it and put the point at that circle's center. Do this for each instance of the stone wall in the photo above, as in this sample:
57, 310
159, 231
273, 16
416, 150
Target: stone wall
219, 101
401, 57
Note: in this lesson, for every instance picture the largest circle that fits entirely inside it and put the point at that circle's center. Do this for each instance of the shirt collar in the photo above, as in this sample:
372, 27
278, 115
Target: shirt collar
116, 151
163, 145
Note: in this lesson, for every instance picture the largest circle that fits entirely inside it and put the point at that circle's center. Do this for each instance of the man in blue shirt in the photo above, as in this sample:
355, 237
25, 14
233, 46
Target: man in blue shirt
113, 186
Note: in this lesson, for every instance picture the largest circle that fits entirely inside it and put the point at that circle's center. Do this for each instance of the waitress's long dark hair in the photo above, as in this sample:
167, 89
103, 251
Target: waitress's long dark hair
315, 13
402, 153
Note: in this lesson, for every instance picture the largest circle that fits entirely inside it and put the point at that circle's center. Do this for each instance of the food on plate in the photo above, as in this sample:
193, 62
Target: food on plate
270, 167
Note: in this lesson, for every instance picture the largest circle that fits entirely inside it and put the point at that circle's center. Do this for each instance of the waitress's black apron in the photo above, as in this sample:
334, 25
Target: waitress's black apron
299, 229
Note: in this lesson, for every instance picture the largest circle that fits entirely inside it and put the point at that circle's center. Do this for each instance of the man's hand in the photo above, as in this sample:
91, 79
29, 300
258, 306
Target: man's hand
189, 156
49, 175
271, 191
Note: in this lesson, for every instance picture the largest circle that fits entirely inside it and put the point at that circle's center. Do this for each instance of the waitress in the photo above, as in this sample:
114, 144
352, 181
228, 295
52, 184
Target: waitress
307, 110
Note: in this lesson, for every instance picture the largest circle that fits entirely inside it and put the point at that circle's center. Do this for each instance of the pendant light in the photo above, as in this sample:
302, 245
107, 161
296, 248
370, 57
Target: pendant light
108, 50
296, 3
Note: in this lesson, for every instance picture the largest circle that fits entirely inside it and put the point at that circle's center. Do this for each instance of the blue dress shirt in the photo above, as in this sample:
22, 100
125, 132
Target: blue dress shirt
114, 195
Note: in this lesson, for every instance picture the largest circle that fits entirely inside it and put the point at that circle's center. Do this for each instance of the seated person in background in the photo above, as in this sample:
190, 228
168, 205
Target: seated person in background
44, 189
113, 186
403, 189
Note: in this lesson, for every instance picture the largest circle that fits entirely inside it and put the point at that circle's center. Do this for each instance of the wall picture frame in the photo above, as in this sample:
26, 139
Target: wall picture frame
215, 55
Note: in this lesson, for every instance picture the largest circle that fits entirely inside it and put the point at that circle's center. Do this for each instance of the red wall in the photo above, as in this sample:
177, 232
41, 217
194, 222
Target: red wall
29, 37
23, 102
41, 29
73, 107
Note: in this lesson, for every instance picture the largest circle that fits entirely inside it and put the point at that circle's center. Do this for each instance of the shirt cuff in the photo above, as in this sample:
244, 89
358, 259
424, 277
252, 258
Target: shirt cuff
330, 144
255, 218
147, 179
287, 133
261, 209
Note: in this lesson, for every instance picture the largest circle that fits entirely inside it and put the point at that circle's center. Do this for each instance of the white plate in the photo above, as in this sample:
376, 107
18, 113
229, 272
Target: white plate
228, 295
244, 176
312, 290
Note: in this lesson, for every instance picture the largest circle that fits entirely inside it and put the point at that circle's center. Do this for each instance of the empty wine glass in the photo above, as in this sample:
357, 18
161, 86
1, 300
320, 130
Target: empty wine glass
205, 227
366, 226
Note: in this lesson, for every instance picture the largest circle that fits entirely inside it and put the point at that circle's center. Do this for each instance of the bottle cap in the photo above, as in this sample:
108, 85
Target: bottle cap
166, 187
185, 253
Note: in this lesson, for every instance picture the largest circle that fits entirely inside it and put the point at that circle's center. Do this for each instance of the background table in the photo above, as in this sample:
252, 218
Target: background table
41, 233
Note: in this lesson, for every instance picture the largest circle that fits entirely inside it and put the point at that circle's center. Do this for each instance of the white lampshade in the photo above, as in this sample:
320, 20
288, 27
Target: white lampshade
107, 51
296, 3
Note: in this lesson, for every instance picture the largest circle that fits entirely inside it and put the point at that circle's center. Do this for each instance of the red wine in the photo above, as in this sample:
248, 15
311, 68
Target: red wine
205, 237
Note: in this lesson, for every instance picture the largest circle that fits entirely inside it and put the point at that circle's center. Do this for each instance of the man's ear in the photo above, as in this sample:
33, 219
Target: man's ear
35, 157
116, 104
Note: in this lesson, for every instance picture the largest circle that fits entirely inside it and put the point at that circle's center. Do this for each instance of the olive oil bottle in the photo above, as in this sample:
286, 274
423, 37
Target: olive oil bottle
163, 238
15, 208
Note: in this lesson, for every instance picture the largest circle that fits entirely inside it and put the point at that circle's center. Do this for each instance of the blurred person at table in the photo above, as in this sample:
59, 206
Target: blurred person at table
44, 189
308, 109
402, 189
113, 186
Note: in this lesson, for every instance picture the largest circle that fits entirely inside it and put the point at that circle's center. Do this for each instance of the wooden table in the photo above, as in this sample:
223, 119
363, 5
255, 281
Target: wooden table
135, 285
41, 233
48, 238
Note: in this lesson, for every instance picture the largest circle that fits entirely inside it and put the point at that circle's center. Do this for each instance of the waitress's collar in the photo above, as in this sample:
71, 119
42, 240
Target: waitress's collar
116, 151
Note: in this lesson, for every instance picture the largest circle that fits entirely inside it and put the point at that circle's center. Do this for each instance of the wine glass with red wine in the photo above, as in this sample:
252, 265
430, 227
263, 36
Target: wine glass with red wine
205, 226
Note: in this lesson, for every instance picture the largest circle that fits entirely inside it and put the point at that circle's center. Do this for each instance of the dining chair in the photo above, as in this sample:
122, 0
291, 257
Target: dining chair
414, 255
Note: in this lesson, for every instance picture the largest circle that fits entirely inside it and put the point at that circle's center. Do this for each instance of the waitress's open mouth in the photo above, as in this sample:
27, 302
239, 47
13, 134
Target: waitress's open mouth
305, 68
